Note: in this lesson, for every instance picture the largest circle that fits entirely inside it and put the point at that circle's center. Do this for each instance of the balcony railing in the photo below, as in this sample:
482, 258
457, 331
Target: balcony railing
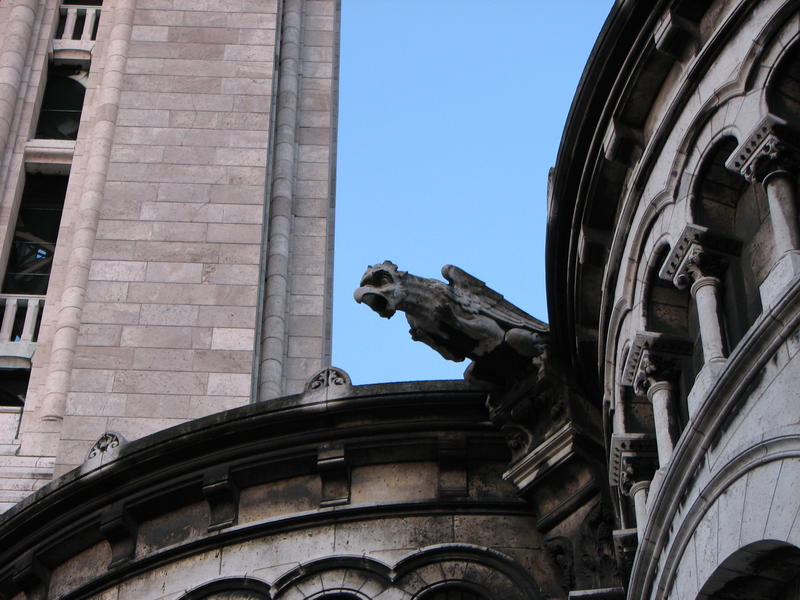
21, 316
77, 31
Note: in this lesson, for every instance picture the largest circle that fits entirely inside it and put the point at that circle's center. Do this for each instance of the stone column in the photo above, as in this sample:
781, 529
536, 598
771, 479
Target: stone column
638, 492
661, 397
705, 291
765, 157
62, 352
780, 189
274, 326
17, 37
654, 365
700, 269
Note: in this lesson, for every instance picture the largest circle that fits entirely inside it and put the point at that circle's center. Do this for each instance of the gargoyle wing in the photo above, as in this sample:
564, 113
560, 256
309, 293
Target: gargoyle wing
491, 303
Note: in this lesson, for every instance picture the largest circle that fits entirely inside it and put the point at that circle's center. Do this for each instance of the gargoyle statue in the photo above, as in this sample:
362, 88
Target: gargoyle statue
461, 319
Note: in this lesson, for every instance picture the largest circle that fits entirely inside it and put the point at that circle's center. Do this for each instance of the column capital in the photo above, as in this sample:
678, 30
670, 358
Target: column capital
698, 253
634, 459
639, 485
653, 360
658, 386
767, 150
702, 281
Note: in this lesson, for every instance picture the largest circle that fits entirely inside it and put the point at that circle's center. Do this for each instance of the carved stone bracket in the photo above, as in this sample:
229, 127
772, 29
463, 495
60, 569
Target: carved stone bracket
334, 473
120, 530
626, 541
698, 253
452, 466
675, 34
622, 143
222, 494
767, 149
634, 457
653, 357
31, 575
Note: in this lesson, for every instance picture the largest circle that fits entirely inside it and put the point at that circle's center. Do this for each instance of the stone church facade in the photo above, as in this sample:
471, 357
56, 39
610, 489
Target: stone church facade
170, 424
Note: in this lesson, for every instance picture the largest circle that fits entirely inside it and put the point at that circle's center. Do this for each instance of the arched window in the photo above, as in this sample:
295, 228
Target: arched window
731, 208
765, 570
234, 588
783, 95
670, 311
453, 592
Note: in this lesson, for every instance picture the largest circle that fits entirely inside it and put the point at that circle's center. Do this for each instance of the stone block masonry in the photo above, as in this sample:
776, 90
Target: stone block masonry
158, 315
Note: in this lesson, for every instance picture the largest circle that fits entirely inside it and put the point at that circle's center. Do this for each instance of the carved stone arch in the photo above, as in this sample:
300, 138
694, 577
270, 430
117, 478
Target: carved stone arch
649, 231
733, 209
481, 570
765, 569
230, 588
709, 124
339, 577
454, 591
750, 498
768, 49
702, 150
781, 95
649, 283
615, 341
651, 220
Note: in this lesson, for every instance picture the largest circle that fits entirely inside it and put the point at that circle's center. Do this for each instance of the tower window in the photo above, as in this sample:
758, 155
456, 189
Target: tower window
62, 104
31, 256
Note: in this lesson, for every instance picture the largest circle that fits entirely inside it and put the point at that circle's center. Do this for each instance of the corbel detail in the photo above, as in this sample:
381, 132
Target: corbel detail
766, 150
626, 541
120, 530
453, 481
334, 473
622, 143
698, 253
675, 34
653, 357
31, 575
634, 458
222, 494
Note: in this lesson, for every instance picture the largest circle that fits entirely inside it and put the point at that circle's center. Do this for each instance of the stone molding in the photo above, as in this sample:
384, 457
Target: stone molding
209, 458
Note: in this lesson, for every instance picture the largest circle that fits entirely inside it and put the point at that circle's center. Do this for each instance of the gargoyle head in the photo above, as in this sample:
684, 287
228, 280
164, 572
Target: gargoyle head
380, 288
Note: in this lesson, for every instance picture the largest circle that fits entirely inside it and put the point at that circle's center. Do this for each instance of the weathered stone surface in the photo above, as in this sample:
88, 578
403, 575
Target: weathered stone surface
465, 319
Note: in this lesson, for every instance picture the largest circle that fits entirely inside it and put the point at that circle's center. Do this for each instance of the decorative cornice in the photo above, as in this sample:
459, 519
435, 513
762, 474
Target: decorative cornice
259, 442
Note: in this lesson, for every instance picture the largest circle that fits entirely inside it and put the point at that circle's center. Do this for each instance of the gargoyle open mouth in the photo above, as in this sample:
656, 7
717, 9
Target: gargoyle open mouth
375, 301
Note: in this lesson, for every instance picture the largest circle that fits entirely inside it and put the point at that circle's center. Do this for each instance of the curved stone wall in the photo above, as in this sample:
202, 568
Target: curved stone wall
388, 491
688, 193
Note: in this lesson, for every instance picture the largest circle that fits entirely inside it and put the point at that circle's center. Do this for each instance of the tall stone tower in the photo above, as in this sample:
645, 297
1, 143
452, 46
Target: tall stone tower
166, 216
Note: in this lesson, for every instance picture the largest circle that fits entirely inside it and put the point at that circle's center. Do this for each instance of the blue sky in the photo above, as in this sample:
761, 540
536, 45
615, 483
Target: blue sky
450, 116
